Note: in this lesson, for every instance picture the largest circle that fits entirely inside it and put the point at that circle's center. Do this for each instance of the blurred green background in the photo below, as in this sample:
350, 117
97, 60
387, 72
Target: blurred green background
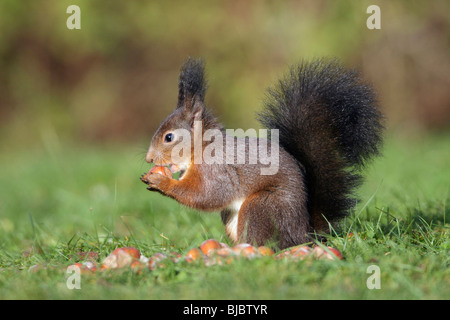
116, 78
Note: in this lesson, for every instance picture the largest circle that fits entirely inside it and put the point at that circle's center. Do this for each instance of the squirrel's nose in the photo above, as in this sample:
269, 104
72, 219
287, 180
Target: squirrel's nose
149, 157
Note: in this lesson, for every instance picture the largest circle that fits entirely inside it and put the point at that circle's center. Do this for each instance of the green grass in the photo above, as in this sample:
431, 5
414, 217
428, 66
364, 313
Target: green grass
59, 200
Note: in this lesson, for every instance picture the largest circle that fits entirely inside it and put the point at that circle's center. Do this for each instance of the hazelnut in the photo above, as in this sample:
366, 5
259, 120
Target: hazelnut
194, 254
210, 245
265, 251
165, 171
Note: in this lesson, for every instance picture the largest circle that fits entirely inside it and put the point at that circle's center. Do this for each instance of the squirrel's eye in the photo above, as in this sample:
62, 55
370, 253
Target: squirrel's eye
169, 137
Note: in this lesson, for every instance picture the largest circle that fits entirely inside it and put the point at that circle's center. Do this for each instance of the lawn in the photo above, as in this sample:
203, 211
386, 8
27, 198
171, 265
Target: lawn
58, 199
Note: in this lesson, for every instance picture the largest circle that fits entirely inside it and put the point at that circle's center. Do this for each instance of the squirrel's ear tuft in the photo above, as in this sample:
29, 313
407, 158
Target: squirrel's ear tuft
192, 84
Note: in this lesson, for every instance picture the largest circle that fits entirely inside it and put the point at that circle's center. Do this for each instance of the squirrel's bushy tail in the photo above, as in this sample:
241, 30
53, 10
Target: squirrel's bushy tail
328, 120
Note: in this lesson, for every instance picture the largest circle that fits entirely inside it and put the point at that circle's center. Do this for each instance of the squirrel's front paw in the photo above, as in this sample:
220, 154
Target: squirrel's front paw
154, 181
144, 177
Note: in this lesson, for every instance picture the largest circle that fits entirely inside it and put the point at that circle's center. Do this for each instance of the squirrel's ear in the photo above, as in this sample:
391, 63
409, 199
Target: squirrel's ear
191, 84
196, 112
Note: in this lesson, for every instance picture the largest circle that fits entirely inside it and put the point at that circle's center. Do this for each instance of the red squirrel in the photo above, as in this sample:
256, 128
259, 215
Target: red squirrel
328, 126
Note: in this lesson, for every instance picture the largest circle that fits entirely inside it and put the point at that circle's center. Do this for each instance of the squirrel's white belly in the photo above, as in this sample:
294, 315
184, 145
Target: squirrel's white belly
232, 223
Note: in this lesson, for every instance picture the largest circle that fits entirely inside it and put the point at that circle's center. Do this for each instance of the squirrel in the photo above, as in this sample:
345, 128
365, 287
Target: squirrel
329, 126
